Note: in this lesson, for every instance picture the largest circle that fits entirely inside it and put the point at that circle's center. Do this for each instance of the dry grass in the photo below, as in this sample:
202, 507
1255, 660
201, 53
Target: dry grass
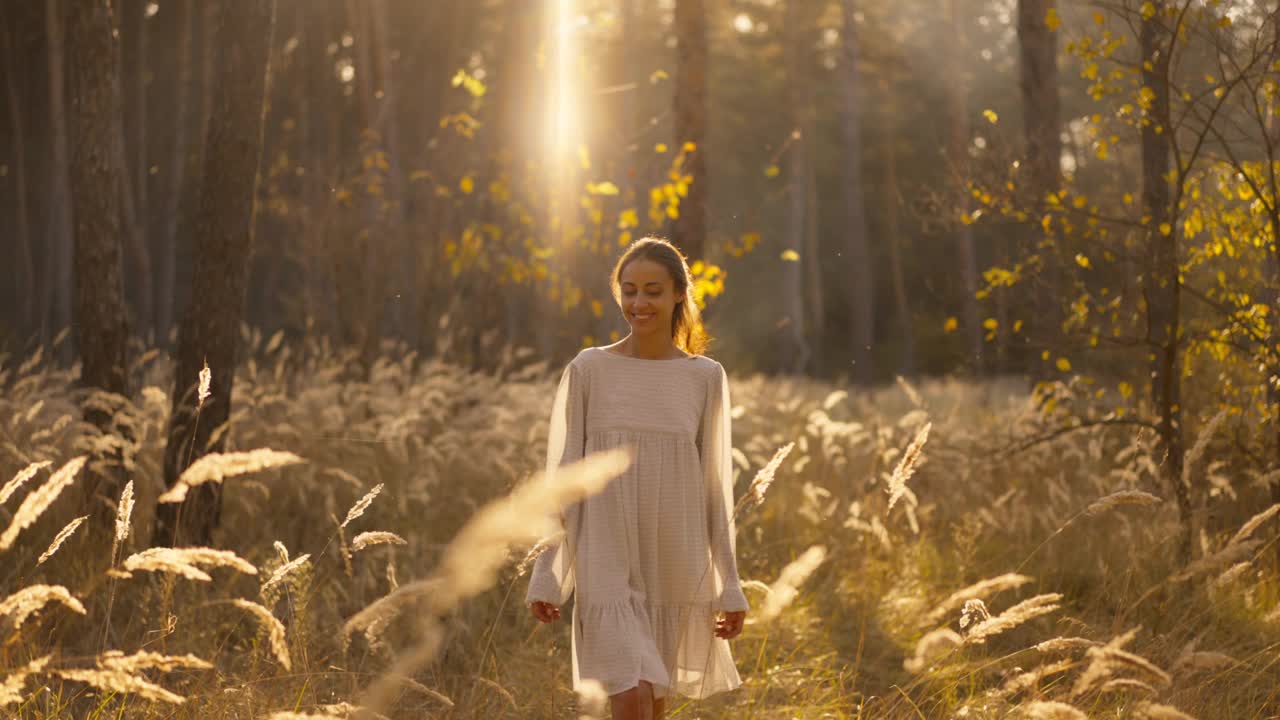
432, 464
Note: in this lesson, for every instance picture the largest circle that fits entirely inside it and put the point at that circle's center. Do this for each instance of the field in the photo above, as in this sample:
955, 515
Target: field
1019, 571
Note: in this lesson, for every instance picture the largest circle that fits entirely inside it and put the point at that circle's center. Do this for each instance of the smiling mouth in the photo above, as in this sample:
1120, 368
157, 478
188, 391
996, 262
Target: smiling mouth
638, 316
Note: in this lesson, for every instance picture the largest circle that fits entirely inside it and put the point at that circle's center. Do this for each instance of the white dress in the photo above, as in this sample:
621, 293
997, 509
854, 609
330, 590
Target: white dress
650, 559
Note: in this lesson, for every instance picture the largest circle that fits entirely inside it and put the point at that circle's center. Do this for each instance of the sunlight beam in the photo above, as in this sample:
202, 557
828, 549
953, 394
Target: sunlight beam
565, 126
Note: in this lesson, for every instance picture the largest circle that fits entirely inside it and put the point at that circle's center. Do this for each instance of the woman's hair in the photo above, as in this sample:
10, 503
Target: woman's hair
687, 329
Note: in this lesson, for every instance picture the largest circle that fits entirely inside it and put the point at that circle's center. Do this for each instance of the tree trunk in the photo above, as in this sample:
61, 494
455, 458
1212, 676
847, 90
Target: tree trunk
893, 227
793, 345
94, 66
96, 117
860, 289
1038, 83
405, 301
176, 286
689, 231
132, 226
166, 259
24, 267
223, 235
958, 156
1162, 287
58, 274
135, 165
812, 255
1271, 141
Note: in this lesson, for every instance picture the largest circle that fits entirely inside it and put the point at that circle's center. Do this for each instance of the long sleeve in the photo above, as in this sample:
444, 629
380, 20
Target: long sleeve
552, 579
716, 452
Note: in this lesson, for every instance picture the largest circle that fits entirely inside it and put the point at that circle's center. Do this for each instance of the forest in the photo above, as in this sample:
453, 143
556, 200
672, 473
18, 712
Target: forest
291, 282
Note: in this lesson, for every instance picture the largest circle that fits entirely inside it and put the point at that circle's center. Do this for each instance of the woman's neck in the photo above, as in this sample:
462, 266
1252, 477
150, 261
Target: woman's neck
656, 348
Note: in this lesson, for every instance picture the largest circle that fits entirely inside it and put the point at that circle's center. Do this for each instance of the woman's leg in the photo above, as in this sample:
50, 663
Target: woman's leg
659, 708
633, 704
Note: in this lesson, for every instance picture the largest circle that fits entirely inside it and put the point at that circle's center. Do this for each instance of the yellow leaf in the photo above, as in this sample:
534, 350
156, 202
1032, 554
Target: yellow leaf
628, 219
1080, 201
1128, 199
584, 157
772, 171
660, 148
950, 325
1099, 18
991, 116
1064, 364
1148, 10
597, 308
1051, 19
467, 185
689, 147
1165, 228
991, 323
790, 255
1017, 325
1125, 389
658, 75
604, 188
624, 239
1082, 261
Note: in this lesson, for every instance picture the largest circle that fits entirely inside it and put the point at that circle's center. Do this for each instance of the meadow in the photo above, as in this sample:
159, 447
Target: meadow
929, 549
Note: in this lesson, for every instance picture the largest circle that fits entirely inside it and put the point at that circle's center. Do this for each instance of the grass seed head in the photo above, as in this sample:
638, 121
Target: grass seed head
593, 700
1024, 611
376, 537
121, 682
124, 513
978, 590
1156, 711
12, 685
39, 500
787, 587
186, 561
1052, 710
60, 538
202, 390
30, 599
282, 571
1253, 524
273, 627
1122, 497
764, 478
907, 465
21, 478
144, 660
358, 509
932, 646
216, 467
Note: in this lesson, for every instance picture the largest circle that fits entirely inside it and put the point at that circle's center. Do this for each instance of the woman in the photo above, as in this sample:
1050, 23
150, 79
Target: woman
651, 559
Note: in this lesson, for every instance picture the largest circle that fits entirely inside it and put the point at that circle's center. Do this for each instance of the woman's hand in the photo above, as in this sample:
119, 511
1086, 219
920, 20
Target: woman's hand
544, 611
729, 625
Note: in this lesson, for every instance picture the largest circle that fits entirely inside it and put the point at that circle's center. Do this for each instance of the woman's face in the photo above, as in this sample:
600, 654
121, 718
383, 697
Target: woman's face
648, 297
